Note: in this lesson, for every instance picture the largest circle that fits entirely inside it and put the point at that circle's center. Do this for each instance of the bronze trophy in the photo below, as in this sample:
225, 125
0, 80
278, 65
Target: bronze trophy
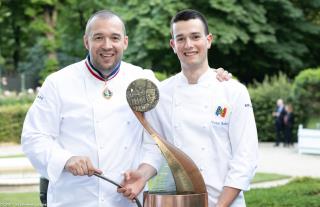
143, 95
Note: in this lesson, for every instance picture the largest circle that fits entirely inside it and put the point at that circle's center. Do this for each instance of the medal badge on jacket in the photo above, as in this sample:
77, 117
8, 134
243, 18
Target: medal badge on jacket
106, 93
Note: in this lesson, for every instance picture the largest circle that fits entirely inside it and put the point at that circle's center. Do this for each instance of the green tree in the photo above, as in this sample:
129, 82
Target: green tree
263, 37
44, 14
15, 37
253, 38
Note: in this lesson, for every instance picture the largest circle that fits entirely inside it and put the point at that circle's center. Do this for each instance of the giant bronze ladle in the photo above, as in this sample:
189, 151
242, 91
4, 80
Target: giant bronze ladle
143, 95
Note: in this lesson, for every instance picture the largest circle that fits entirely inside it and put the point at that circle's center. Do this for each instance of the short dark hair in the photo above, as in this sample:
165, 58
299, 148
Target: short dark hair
103, 14
188, 14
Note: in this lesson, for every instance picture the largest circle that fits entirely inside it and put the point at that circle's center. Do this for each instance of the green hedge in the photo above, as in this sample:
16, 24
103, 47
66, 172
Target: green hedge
161, 75
11, 121
264, 96
15, 99
306, 93
303, 93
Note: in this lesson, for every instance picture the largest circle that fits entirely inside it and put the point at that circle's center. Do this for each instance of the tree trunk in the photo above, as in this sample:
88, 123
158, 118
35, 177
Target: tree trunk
50, 17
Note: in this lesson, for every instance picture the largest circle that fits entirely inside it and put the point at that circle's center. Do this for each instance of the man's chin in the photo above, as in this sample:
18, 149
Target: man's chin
191, 62
108, 66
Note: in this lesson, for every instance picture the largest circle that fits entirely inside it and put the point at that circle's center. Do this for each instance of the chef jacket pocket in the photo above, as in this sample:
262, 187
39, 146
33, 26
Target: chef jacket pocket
220, 136
219, 127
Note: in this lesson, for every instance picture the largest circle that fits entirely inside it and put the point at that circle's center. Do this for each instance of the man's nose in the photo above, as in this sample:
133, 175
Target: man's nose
188, 43
107, 43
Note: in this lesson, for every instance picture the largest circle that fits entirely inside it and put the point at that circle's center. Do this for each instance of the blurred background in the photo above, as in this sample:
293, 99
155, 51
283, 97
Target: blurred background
271, 46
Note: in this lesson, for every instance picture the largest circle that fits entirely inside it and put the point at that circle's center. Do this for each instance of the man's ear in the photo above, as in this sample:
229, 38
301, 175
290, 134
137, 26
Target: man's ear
172, 45
210, 39
85, 41
126, 42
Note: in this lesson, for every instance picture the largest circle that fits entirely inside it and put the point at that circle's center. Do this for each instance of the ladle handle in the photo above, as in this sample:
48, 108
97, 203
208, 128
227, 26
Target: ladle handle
116, 184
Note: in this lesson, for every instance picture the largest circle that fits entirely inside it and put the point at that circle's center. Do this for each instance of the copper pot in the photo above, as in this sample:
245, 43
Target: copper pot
171, 199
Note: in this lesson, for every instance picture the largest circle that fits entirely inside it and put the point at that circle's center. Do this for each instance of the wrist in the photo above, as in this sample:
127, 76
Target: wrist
146, 171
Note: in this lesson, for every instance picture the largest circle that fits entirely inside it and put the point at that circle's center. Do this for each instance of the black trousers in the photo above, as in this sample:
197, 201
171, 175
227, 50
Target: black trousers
43, 190
279, 134
288, 135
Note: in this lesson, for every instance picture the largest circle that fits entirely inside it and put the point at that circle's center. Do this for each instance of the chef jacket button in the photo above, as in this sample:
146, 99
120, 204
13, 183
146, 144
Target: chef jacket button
128, 122
125, 147
101, 147
203, 148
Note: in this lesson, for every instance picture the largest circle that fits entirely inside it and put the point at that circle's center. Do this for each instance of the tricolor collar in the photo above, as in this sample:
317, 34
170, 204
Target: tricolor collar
97, 74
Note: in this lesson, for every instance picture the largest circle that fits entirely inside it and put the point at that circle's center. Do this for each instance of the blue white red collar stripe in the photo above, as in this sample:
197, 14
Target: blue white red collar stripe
97, 74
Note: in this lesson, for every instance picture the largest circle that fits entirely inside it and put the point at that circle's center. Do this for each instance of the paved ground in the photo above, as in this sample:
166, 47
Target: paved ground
287, 161
17, 171
10, 149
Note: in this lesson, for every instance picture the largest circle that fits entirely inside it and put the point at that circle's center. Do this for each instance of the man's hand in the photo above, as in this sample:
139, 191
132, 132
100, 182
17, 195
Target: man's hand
81, 165
135, 180
223, 75
133, 184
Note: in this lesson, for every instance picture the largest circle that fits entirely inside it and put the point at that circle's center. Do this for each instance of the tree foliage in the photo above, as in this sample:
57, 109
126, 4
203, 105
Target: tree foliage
252, 38
14, 33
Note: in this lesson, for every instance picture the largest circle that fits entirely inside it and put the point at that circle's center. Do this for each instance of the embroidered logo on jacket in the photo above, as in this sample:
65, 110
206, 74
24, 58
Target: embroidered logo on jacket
221, 111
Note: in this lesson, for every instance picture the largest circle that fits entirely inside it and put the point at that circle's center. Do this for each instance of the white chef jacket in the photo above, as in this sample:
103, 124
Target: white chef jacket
70, 117
213, 123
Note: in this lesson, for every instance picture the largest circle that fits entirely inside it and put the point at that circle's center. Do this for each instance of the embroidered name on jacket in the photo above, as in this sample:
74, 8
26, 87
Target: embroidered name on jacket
221, 111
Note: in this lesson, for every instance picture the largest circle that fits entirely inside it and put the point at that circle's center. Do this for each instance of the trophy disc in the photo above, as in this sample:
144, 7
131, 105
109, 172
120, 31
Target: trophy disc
142, 95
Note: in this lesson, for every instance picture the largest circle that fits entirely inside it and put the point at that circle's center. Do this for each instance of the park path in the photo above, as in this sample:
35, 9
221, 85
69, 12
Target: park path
287, 161
17, 173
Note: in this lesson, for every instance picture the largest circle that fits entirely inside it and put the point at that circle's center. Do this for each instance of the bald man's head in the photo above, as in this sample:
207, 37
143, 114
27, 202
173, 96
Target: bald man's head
103, 14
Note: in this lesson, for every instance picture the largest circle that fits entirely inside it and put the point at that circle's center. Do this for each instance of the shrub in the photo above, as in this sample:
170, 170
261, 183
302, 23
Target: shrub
161, 75
11, 121
13, 99
264, 96
306, 94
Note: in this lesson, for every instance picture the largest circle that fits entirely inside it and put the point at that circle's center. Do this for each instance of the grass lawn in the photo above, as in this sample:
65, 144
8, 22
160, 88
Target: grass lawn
264, 177
12, 156
300, 192
20, 199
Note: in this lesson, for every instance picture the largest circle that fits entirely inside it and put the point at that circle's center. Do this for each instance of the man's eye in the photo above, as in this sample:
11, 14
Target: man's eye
97, 38
180, 39
116, 38
196, 37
